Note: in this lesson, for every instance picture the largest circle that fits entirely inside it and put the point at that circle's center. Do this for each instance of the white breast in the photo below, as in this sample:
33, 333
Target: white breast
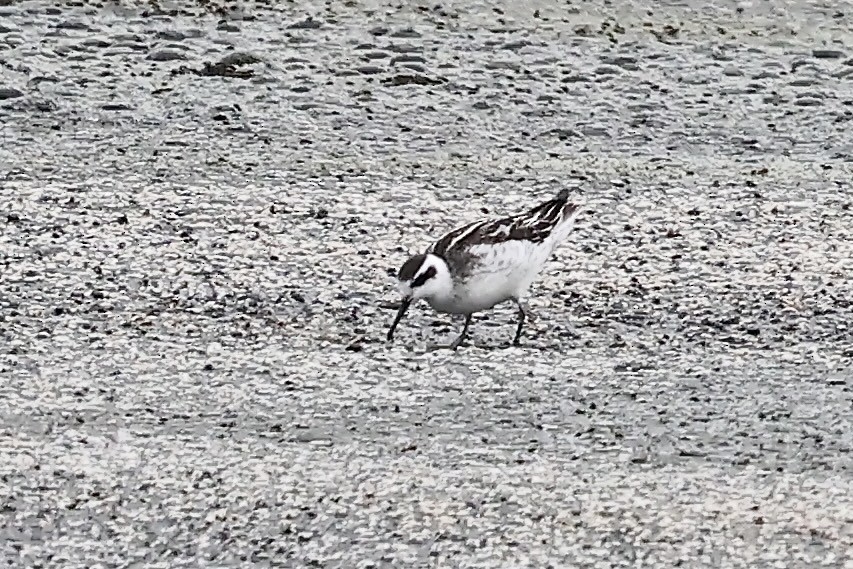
503, 271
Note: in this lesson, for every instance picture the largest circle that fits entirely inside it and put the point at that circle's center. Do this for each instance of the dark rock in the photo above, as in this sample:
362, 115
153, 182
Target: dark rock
166, 55
808, 102
625, 62
804, 82
308, 23
171, 35
404, 48
406, 33
607, 70
239, 58
96, 42
415, 67
69, 25
228, 66
9, 93
506, 65
398, 80
515, 45
407, 59
827, 54
369, 69
225, 26
375, 55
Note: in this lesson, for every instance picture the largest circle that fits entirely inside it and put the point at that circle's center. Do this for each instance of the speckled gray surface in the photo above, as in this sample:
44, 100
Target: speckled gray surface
200, 210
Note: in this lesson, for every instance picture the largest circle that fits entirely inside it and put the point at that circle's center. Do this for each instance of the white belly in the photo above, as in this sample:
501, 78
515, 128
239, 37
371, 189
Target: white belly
505, 271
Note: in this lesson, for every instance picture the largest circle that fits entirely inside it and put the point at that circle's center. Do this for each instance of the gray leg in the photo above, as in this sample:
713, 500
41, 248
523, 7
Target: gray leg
458, 341
523, 314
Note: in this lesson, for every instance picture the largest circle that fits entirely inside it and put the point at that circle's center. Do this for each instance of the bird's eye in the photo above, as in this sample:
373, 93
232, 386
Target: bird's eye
421, 279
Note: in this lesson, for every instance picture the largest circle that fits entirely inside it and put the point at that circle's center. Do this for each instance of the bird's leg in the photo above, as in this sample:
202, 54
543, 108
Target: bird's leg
458, 341
523, 314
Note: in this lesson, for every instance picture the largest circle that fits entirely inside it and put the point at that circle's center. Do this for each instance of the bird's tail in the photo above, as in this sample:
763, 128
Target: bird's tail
568, 212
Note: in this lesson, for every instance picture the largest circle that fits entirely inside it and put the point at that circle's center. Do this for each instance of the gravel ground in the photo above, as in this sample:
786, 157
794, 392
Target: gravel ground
201, 210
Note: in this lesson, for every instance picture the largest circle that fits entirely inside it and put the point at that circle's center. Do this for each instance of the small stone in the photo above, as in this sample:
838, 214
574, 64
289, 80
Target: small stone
509, 65
369, 69
96, 42
371, 55
765, 75
165, 55
69, 25
9, 93
804, 82
399, 80
808, 102
607, 70
171, 35
239, 58
308, 23
407, 59
224, 26
406, 33
827, 54
515, 45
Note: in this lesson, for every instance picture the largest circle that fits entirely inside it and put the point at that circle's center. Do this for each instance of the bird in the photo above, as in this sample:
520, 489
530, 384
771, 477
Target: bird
479, 265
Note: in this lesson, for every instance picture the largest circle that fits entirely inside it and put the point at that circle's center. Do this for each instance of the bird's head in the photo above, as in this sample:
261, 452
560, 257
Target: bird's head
422, 276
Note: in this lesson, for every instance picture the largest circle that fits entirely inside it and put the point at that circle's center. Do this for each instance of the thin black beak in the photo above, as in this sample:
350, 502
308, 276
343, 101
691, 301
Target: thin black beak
403, 307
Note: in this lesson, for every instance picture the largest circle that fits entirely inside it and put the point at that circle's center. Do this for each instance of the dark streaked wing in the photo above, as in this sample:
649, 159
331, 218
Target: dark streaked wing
460, 235
534, 226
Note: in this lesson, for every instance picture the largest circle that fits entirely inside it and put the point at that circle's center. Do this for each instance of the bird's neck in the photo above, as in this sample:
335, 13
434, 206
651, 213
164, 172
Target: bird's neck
441, 288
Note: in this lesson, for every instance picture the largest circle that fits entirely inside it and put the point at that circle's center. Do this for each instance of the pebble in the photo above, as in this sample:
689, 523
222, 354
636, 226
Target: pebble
804, 82
409, 58
166, 55
808, 101
628, 63
607, 70
369, 69
10, 93
827, 54
308, 23
405, 33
